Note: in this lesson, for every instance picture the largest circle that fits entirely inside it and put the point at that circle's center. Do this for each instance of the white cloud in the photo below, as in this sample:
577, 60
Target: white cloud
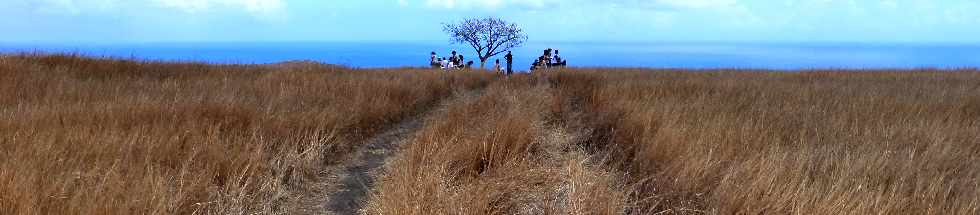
496, 4
256, 7
63, 7
259, 8
698, 3
190, 6
486, 4
686, 4
964, 14
890, 4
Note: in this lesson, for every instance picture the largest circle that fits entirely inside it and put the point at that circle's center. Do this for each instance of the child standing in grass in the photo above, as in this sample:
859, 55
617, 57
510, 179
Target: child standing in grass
451, 64
496, 66
459, 61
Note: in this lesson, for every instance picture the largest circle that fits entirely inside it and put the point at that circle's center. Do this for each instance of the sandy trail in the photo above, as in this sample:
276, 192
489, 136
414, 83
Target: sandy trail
356, 176
352, 181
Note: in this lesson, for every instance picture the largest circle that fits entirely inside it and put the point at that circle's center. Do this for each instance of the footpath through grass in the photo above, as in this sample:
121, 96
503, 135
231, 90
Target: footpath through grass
103, 136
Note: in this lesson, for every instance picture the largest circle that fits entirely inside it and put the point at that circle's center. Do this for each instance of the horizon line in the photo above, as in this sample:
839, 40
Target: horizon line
975, 43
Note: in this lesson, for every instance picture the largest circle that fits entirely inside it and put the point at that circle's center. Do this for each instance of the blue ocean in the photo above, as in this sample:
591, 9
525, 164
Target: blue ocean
701, 55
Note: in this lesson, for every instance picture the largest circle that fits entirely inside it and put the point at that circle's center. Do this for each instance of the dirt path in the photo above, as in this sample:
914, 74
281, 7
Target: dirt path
352, 181
356, 176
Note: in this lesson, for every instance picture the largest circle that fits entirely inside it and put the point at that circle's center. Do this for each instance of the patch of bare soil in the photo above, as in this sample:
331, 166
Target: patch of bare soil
355, 178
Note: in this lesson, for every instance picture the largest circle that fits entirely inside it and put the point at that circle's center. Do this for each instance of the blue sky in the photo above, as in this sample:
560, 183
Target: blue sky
122, 21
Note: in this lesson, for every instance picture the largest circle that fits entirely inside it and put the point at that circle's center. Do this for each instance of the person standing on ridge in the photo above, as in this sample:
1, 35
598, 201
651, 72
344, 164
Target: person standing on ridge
510, 62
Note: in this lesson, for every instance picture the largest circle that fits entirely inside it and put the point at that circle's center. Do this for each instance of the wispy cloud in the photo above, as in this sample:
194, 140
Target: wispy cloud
257, 7
60, 7
497, 4
836, 20
260, 8
483, 4
676, 4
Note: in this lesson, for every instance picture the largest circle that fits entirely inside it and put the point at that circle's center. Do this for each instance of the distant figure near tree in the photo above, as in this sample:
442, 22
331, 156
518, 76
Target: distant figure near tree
488, 36
459, 61
434, 61
453, 59
510, 63
497, 67
558, 60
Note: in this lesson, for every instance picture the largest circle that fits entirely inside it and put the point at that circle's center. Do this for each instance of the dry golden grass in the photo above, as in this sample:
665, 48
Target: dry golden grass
813, 142
693, 142
102, 136
498, 153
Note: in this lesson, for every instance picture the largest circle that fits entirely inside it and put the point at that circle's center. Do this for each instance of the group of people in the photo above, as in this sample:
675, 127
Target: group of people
550, 58
453, 62
510, 62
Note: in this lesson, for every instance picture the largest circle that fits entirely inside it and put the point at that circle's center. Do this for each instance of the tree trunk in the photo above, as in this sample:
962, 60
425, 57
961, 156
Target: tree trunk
483, 62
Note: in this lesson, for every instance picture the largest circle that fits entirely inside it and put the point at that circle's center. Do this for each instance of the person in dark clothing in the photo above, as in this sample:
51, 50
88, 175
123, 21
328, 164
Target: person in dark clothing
510, 62
454, 59
460, 62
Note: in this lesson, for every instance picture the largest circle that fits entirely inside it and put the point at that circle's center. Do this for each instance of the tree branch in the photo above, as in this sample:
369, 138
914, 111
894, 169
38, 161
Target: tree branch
488, 36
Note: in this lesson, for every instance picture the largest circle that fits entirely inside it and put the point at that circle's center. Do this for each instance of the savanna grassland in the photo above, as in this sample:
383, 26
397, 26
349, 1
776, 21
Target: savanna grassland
809, 142
108, 136
102, 136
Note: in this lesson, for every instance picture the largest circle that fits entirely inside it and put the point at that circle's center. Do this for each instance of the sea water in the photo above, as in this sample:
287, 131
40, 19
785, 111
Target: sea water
696, 55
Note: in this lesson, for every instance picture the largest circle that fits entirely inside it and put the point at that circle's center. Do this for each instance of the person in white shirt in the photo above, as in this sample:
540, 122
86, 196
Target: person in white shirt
444, 63
434, 60
557, 58
496, 66
450, 65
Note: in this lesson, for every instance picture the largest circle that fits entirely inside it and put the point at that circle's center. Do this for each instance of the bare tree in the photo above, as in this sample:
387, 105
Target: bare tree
488, 36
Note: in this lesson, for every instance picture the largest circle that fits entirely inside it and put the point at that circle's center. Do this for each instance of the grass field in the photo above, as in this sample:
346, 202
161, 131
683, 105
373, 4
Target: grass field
104, 136
812, 142
95, 136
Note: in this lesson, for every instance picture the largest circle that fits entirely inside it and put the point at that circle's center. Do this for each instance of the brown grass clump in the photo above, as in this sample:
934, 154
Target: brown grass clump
812, 142
494, 154
103, 136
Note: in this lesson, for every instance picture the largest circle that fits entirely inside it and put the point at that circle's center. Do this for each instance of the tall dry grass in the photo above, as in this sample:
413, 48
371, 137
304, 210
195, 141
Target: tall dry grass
497, 153
104, 136
810, 142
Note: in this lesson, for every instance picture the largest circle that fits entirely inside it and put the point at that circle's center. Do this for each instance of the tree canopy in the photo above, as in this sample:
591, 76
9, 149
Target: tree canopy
488, 36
